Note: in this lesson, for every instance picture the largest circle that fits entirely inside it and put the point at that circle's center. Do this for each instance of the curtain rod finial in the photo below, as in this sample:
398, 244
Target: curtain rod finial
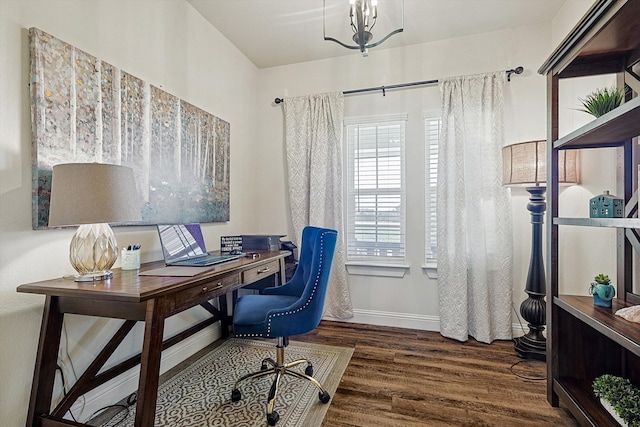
517, 70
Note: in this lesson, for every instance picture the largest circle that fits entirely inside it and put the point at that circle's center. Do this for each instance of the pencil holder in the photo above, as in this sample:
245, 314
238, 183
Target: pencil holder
130, 259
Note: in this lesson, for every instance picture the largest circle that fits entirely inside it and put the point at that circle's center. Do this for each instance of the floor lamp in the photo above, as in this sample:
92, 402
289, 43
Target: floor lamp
524, 164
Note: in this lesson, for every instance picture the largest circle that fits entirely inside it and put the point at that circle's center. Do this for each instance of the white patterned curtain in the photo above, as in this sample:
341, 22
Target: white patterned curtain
473, 211
313, 139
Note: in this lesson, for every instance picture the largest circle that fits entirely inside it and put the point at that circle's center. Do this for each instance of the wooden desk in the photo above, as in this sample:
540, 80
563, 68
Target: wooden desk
134, 298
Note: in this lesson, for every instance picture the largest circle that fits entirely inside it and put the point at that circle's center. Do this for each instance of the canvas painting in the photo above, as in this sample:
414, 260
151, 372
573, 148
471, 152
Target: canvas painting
86, 110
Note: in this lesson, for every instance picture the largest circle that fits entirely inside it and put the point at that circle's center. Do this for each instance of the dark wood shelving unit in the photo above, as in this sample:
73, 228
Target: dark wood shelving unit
585, 341
589, 412
603, 319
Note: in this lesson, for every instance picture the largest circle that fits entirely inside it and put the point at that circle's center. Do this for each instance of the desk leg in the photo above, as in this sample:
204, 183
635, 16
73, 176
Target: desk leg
45, 369
225, 321
150, 362
283, 273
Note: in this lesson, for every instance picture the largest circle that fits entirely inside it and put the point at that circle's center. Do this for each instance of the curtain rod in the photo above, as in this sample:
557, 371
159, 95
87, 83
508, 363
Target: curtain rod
517, 70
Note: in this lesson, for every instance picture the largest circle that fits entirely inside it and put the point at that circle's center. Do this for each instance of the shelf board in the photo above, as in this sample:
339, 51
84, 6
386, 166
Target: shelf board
608, 130
599, 222
578, 396
603, 319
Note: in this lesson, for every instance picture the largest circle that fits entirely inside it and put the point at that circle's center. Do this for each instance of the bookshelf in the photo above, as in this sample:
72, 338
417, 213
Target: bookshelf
585, 341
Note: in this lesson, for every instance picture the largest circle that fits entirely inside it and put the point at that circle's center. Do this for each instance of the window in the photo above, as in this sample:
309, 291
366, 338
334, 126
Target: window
375, 189
432, 133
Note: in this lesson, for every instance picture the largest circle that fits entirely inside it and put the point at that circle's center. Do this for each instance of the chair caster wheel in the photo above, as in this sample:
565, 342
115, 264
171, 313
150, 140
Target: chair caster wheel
324, 397
309, 370
273, 418
263, 367
235, 395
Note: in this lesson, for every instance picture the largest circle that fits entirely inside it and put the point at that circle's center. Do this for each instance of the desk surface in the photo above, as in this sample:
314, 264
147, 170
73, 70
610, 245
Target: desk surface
127, 285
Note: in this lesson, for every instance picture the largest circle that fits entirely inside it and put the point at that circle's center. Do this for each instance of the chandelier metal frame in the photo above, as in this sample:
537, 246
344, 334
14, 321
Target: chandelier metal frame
363, 15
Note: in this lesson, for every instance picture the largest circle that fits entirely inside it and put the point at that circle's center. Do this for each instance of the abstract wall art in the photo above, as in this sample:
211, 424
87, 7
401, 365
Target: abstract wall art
86, 110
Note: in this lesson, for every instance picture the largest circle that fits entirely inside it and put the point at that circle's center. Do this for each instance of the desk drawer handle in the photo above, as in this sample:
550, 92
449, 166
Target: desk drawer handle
264, 270
206, 289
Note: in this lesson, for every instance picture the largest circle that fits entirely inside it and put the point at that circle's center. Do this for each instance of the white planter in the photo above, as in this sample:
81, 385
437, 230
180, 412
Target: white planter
612, 411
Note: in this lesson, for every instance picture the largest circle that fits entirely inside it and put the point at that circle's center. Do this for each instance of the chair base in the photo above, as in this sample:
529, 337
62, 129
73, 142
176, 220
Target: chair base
280, 369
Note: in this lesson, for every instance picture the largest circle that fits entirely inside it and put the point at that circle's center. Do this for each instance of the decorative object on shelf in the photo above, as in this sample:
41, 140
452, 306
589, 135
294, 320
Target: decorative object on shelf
622, 396
603, 100
632, 314
602, 290
606, 206
525, 164
363, 15
92, 195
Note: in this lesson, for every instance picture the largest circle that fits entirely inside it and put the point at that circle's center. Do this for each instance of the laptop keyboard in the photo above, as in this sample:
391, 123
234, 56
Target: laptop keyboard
204, 261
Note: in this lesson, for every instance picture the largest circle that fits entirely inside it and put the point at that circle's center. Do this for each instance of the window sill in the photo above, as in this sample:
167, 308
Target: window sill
380, 270
431, 269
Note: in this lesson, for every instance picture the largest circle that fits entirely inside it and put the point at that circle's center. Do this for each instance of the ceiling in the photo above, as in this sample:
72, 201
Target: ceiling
281, 32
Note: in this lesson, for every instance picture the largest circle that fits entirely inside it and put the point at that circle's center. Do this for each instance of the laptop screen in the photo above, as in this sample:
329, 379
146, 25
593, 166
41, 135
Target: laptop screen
181, 241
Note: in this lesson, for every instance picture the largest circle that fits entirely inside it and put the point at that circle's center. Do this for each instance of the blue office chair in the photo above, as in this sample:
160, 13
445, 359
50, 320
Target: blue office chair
291, 309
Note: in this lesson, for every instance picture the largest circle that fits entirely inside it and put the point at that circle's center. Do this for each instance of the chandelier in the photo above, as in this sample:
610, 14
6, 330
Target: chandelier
363, 15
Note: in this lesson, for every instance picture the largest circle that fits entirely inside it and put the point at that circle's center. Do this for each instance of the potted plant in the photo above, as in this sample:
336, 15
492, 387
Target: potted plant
602, 101
602, 290
620, 398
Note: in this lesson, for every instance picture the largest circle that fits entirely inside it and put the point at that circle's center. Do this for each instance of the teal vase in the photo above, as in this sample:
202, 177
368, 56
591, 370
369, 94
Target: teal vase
602, 294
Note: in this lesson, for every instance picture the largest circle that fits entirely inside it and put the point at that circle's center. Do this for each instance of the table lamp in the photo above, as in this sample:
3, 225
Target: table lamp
525, 164
92, 195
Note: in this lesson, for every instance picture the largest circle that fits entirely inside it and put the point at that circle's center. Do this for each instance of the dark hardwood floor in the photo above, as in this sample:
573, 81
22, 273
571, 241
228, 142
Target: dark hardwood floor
405, 378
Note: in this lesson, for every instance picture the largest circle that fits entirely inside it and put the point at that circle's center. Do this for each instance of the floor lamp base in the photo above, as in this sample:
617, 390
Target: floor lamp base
533, 345
527, 348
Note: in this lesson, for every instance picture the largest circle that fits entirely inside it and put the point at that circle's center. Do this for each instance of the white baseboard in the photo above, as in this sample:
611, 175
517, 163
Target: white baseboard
405, 320
398, 320
127, 383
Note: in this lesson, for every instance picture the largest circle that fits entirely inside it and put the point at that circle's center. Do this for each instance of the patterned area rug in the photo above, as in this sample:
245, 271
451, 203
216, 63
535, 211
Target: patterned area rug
200, 394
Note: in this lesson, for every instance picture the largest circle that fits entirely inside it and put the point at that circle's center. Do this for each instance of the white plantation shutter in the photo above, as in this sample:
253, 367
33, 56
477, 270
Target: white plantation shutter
376, 189
432, 133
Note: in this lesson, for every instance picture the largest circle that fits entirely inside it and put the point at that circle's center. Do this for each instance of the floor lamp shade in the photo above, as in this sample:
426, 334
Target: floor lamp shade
526, 164
92, 195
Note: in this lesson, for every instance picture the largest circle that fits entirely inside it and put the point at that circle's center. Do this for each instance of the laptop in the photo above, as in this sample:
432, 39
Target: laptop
183, 245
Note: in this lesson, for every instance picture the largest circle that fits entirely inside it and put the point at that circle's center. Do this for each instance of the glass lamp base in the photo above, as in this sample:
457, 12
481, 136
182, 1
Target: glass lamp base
93, 251
93, 277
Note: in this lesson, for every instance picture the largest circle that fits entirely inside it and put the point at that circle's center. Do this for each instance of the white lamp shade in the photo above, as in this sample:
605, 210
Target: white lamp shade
526, 164
92, 193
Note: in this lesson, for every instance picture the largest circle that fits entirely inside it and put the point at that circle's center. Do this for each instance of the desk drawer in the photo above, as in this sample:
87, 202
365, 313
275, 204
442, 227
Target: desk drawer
257, 273
203, 292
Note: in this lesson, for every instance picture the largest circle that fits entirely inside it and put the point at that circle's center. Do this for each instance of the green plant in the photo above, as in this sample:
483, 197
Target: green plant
622, 395
602, 279
602, 101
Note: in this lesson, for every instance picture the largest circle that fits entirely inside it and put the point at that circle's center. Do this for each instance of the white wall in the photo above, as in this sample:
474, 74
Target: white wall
412, 301
166, 43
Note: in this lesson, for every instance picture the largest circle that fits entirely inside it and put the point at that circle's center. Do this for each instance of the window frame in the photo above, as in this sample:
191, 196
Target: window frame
379, 265
430, 190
